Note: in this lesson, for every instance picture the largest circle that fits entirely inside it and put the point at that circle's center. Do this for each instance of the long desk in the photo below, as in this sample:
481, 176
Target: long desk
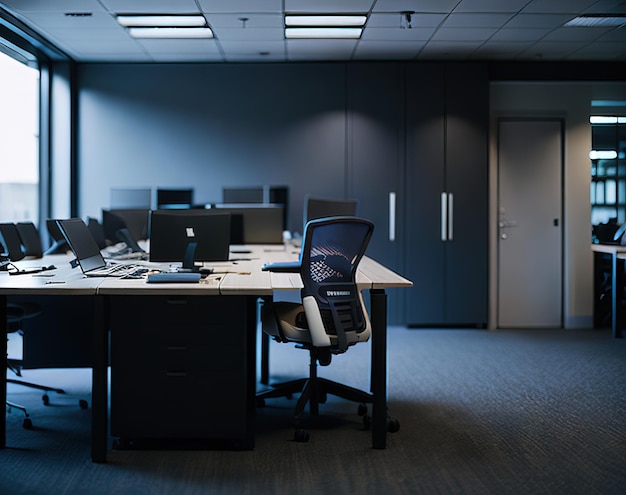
617, 254
242, 279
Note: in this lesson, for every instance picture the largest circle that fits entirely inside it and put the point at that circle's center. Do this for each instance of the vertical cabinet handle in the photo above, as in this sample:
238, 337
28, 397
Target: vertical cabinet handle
447, 216
444, 216
392, 216
450, 216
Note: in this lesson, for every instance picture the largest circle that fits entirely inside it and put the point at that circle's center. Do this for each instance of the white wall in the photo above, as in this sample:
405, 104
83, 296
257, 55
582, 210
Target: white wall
572, 103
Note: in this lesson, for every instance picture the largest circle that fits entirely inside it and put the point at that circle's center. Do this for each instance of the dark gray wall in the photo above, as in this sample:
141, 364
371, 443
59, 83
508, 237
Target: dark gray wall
209, 126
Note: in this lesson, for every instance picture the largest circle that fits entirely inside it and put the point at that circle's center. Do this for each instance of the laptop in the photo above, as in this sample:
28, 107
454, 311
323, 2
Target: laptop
87, 252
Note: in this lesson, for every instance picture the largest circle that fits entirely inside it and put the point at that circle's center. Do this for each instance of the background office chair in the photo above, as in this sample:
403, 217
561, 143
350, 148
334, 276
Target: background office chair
331, 317
316, 207
59, 245
31, 241
97, 231
17, 248
12, 242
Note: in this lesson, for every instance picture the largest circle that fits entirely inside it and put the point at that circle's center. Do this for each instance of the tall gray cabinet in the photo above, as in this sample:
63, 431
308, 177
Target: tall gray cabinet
375, 123
446, 254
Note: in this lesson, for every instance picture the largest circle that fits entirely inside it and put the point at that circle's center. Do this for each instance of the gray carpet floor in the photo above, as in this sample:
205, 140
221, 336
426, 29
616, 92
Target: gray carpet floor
481, 412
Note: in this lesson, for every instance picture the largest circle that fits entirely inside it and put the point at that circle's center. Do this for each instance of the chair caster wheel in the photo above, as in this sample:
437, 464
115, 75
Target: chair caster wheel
27, 424
393, 425
45, 399
301, 436
362, 411
367, 421
83, 404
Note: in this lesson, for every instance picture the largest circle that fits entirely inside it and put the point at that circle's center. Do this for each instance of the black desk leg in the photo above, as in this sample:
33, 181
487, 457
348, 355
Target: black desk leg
265, 346
3, 383
99, 381
617, 323
378, 300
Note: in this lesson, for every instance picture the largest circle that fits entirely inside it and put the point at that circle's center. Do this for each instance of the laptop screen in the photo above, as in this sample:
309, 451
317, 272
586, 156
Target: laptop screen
82, 244
171, 232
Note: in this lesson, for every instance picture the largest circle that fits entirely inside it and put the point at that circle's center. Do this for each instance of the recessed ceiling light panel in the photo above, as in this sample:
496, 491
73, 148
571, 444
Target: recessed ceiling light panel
166, 26
609, 20
324, 26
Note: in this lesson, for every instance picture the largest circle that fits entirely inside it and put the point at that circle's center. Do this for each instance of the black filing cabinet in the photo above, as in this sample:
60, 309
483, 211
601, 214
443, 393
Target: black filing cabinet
182, 368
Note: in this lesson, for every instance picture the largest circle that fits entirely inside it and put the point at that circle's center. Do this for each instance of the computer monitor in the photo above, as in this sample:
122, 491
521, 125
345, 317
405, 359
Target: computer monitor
174, 198
242, 194
174, 232
131, 199
135, 220
317, 207
254, 223
275, 195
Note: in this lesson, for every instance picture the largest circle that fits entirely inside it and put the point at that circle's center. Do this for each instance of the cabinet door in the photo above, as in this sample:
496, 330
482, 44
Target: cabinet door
425, 251
447, 112
467, 257
375, 158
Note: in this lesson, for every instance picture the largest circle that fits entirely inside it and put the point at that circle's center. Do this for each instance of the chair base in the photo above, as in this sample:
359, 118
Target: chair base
45, 398
314, 391
27, 423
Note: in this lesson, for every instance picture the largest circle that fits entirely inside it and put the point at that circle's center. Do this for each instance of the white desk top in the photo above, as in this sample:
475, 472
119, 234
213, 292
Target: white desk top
242, 276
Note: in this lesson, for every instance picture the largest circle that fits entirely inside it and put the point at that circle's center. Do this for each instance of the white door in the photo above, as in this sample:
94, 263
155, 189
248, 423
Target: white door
530, 267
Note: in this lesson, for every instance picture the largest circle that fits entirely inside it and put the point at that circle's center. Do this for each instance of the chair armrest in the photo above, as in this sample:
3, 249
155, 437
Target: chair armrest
319, 337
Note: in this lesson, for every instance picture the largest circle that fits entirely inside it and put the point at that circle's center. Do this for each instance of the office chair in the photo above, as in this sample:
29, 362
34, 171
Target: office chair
97, 231
17, 249
30, 239
330, 318
59, 244
317, 207
12, 241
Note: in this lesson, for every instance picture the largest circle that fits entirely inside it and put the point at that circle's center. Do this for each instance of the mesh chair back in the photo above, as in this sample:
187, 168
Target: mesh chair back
332, 250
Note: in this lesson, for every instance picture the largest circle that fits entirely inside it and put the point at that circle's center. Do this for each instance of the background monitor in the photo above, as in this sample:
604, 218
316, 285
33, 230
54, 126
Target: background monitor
135, 220
174, 198
242, 194
275, 195
138, 198
316, 207
254, 223
171, 232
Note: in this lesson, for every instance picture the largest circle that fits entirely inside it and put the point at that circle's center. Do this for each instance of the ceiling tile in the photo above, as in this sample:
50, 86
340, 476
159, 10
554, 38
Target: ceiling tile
433, 6
397, 34
463, 34
245, 21
330, 6
490, 6
538, 20
558, 6
250, 34
476, 20
394, 20
234, 6
151, 6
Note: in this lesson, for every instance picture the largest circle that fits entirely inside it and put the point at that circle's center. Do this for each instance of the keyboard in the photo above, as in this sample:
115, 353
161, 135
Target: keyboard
119, 270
